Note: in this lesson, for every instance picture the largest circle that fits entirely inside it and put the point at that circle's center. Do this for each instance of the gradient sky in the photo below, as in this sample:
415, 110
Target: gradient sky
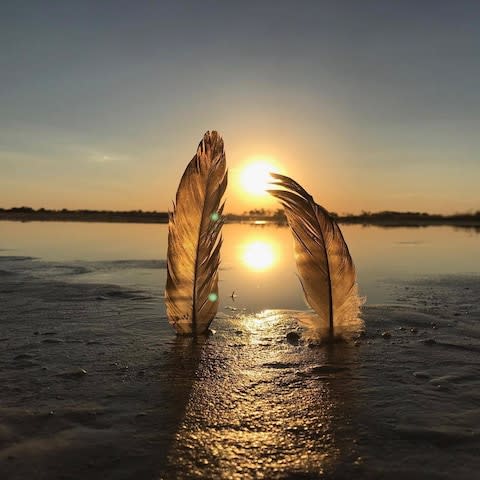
371, 105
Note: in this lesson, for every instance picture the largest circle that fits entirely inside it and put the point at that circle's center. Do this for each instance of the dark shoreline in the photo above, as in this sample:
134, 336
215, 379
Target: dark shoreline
83, 216
383, 219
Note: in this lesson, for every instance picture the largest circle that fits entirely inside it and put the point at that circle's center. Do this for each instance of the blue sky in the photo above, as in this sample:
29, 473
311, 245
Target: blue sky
371, 105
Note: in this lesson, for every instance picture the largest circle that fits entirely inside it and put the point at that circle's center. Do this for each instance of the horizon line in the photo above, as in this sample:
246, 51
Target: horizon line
252, 212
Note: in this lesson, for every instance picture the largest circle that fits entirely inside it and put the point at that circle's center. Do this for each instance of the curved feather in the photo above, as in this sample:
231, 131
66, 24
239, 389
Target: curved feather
324, 264
194, 240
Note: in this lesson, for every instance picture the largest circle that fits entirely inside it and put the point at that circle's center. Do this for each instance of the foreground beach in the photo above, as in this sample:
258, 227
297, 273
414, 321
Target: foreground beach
95, 384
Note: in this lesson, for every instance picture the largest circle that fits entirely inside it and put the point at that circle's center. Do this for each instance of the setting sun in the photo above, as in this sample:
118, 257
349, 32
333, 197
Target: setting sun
255, 178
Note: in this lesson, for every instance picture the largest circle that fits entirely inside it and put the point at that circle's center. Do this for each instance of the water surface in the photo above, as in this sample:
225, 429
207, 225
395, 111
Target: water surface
96, 385
257, 260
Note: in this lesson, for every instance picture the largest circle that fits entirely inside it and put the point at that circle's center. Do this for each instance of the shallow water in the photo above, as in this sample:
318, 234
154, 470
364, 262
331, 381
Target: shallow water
257, 261
244, 403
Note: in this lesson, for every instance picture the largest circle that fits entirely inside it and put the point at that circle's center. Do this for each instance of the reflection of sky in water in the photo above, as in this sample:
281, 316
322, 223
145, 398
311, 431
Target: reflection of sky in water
257, 261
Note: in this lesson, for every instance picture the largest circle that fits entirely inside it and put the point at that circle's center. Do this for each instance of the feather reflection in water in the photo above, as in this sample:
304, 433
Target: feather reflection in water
324, 264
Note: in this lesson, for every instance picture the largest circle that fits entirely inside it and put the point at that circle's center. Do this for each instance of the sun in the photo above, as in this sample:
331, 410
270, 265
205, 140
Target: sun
255, 177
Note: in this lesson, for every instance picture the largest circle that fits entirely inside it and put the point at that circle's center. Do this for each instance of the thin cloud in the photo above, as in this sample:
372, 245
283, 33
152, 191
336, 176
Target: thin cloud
100, 158
95, 155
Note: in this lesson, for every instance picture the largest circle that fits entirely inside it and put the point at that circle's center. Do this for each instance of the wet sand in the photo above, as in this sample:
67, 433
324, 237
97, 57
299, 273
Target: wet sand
95, 384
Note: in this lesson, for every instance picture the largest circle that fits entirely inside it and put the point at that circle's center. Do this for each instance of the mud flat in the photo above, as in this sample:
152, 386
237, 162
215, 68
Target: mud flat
94, 384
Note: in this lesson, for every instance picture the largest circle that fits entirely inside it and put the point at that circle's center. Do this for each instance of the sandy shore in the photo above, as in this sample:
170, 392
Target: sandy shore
95, 385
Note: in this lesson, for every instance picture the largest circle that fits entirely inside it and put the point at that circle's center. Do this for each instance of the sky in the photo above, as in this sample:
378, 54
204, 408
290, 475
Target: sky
370, 105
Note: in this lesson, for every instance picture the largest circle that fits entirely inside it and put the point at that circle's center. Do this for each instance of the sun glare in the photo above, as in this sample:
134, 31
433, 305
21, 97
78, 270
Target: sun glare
255, 178
258, 255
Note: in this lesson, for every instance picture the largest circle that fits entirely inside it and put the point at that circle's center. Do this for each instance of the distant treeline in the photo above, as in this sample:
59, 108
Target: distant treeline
390, 218
386, 218
26, 214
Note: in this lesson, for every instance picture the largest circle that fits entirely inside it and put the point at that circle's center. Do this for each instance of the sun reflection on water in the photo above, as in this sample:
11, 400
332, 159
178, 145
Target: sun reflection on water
260, 408
262, 321
259, 255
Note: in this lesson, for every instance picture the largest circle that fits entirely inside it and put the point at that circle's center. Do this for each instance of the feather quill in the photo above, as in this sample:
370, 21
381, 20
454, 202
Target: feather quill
325, 267
194, 240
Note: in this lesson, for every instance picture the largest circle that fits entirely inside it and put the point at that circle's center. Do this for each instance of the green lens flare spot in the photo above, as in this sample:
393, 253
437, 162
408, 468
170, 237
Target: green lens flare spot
214, 216
213, 297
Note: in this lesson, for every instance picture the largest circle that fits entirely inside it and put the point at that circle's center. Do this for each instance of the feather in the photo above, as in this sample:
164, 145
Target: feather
325, 267
194, 240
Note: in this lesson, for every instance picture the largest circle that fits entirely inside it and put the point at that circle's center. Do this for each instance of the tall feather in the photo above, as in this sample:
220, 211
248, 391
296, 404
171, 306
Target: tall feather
194, 240
324, 264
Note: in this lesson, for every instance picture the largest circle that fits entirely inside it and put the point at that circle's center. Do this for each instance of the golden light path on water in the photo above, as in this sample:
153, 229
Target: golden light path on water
261, 408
